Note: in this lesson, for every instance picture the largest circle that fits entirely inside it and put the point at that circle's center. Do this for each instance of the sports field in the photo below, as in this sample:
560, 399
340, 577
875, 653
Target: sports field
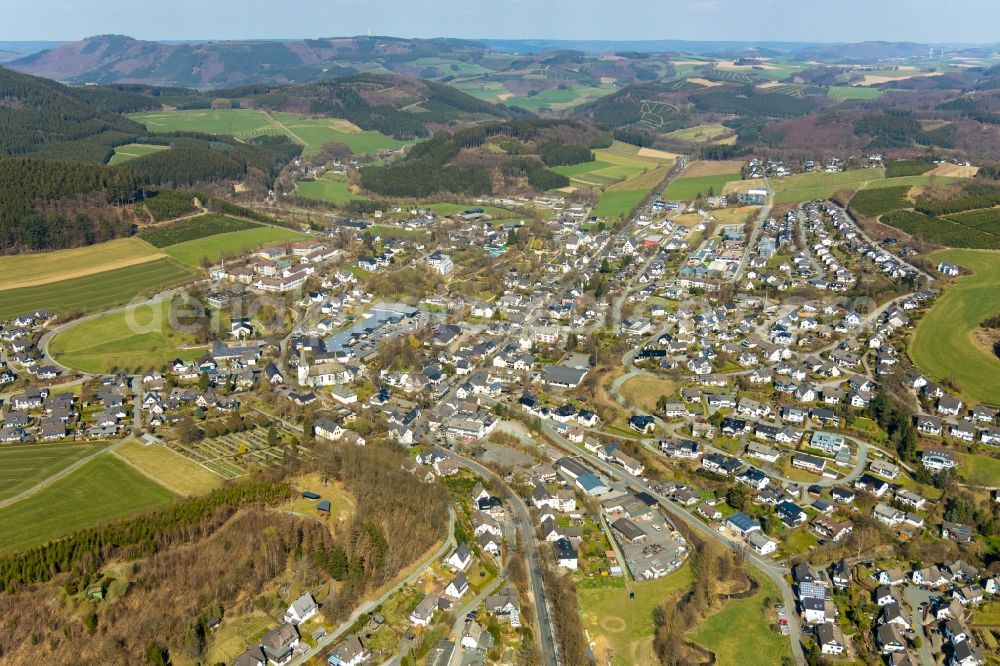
100, 491
230, 244
26, 270
944, 345
97, 291
623, 625
22, 467
329, 189
755, 643
133, 150
312, 133
168, 468
135, 339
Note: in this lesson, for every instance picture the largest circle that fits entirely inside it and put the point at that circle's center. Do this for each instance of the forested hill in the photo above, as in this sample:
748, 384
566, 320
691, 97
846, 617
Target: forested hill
55, 187
514, 155
402, 106
43, 117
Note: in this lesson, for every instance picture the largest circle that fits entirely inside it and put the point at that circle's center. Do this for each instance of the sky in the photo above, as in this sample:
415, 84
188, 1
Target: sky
938, 21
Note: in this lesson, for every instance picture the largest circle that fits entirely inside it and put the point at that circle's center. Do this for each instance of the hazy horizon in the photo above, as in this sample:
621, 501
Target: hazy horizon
955, 21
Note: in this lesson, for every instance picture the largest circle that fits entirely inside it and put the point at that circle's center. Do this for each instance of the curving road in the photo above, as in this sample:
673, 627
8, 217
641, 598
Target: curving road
372, 604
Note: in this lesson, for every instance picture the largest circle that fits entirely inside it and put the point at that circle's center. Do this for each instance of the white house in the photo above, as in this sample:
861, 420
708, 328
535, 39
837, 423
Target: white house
301, 609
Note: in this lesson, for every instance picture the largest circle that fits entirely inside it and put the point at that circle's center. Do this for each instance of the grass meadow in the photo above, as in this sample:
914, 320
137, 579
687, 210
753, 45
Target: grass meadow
230, 244
623, 625
169, 468
102, 490
21, 467
312, 133
26, 270
740, 632
111, 342
333, 190
97, 291
944, 345
131, 151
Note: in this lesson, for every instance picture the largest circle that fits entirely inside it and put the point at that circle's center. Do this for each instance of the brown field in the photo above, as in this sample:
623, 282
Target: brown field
688, 220
737, 215
656, 154
168, 468
953, 170
743, 185
770, 84
28, 270
706, 168
731, 65
704, 82
873, 79
644, 391
914, 192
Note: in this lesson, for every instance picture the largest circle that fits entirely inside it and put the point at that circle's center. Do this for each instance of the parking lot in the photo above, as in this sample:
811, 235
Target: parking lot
661, 551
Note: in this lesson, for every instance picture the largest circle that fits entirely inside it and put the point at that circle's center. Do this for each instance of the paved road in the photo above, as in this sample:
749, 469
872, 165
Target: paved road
459, 626
914, 596
371, 604
546, 639
770, 568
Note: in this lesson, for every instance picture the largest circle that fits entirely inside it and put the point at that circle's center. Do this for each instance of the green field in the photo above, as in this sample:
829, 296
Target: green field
230, 244
702, 134
559, 98
333, 190
626, 625
611, 165
943, 346
615, 204
686, 189
28, 270
194, 228
96, 291
979, 470
138, 338
21, 467
100, 491
854, 92
133, 150
248, 123
810, 186
739, 633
